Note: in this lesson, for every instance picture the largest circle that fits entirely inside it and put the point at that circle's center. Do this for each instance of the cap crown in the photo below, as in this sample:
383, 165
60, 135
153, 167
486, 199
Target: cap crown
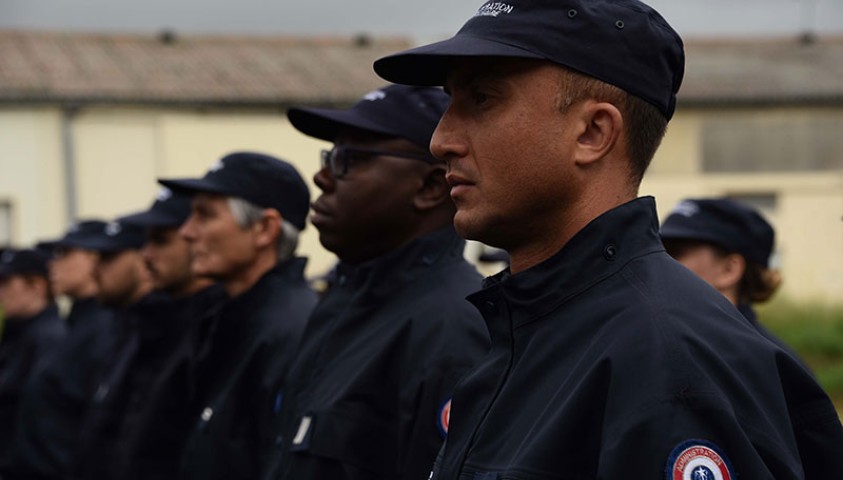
622, 42
411, 113
732, 225
261, 179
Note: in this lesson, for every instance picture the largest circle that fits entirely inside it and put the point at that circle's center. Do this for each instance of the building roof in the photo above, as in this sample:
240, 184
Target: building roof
201, 70
82, 68
782, 71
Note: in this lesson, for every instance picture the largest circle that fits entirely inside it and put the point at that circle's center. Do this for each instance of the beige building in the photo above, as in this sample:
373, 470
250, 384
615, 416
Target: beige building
88, 122
762, 122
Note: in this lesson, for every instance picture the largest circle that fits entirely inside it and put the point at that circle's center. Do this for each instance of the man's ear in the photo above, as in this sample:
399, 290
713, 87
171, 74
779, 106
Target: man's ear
268, 228
602, 127
434, 190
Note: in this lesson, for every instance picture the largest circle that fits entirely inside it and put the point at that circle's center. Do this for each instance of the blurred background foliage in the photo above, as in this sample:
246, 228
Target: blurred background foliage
815, 332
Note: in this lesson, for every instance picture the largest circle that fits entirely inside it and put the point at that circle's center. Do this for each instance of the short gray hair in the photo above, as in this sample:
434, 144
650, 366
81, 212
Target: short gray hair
247, 214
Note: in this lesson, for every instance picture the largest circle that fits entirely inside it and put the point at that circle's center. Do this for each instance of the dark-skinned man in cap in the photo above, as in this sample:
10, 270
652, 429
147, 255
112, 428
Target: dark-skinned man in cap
247, 212
369, 394
32, 331
55, 400
137, 433
609, 359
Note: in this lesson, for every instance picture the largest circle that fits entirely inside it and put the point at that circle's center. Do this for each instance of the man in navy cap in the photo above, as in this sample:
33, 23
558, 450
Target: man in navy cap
369, 393
124, 283
31, 332
609, 359
247, 212
72, 273
54, 400
137, 431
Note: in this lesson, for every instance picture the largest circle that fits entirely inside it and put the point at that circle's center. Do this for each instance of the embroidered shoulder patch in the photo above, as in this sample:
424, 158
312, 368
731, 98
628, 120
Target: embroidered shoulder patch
698, 460
444, 417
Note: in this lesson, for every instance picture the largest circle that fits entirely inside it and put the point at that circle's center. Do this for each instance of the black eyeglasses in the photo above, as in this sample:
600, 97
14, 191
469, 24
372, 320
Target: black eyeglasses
340, 157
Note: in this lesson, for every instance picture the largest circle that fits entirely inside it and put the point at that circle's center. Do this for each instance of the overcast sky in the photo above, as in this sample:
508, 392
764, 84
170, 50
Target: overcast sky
420, 20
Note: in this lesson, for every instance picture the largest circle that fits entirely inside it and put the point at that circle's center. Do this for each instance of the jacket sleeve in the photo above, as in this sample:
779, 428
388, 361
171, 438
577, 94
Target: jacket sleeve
666, 439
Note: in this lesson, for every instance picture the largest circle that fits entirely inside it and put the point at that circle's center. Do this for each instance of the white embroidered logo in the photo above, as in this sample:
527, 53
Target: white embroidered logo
217, 166
113, 229
374, 95
686, 208
493, 9
74, 228
164, 194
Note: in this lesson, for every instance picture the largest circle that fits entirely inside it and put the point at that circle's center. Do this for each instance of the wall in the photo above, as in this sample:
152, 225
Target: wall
121, 151
805, 207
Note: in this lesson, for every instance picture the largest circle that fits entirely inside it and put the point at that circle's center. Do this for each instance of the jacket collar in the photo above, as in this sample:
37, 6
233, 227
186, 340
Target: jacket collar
15, 327
595, 253
390, 273
291, 270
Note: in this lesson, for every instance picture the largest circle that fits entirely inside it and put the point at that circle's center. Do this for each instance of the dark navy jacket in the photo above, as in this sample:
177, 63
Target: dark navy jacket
610, 360
142, 383
56, 398
244, 359
26, 346
368, 394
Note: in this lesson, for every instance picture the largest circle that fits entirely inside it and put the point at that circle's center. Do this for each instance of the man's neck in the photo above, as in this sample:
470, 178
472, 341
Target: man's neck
193, 287
247, 277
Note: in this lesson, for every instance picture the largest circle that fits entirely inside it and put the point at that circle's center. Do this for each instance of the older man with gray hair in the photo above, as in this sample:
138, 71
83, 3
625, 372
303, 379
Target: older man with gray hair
243, 230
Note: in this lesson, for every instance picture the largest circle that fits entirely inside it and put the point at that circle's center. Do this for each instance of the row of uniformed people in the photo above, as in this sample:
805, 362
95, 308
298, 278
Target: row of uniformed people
579, 380
203, 355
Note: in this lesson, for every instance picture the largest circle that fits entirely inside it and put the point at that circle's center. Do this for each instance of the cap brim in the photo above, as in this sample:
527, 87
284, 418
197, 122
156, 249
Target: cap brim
150, 220
194, 185
6, 272
96, 244
326, 124
681, 233
52, 245
428, 65
48, 245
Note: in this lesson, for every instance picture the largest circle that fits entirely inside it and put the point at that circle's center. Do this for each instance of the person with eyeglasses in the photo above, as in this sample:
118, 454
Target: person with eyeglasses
368, 396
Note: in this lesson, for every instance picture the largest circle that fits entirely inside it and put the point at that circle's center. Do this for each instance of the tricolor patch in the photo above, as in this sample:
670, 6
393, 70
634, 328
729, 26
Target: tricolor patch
444, 417
698, 460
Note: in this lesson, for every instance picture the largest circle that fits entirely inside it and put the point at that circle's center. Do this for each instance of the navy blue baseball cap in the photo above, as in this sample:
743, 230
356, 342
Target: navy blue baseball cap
411, 113
114, 237
77, 234
622, 42
731, 225
260, 179
23, 262
169, 210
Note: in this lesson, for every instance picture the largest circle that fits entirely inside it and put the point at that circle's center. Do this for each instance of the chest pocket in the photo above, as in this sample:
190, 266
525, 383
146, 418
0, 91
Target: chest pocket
343, 437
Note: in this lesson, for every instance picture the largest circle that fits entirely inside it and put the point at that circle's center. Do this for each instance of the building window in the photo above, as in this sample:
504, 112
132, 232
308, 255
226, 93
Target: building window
773, 141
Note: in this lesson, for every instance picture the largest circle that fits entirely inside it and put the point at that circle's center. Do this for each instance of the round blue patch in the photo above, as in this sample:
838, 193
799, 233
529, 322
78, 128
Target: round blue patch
698, 460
